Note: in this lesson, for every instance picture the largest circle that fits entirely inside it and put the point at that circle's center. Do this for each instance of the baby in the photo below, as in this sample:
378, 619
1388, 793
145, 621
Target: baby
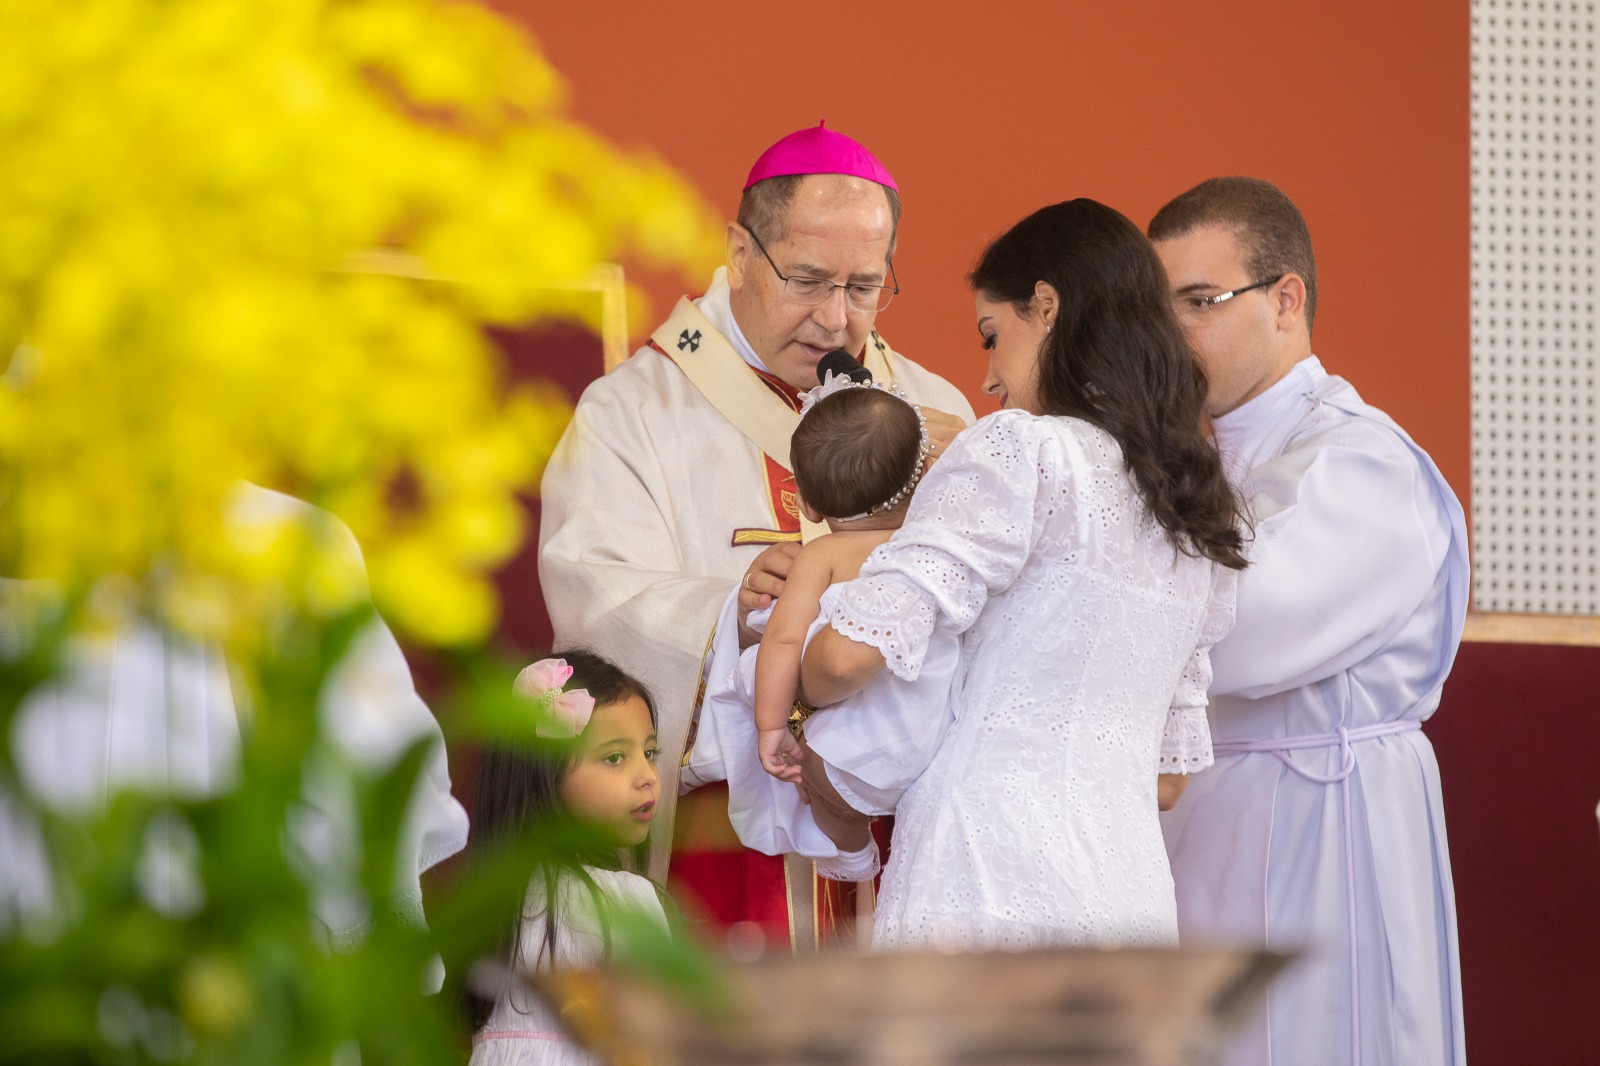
858, 454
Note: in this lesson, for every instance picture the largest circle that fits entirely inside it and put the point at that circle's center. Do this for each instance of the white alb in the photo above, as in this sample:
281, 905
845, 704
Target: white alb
1321, 828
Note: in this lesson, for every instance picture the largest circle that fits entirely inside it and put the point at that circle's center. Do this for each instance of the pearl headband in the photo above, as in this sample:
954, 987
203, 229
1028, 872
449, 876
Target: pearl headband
838, 383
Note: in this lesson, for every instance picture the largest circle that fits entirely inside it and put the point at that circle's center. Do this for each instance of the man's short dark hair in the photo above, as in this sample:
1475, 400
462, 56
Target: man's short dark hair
1270, 229
764, 208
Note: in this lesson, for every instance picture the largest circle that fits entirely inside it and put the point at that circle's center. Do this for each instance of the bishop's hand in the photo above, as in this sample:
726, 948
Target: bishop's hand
942, 429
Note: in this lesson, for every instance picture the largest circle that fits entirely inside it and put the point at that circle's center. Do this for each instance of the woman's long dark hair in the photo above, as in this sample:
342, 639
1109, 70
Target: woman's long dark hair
1117, 358
519, 791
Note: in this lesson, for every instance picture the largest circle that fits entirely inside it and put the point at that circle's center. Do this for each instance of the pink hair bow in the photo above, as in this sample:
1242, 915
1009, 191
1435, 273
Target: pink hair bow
563, 714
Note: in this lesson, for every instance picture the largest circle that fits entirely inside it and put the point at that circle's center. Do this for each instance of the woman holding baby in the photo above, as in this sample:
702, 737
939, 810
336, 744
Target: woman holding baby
1081, 544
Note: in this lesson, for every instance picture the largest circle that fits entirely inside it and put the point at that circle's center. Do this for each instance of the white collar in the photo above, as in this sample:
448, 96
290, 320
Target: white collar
717, 305
1241, 430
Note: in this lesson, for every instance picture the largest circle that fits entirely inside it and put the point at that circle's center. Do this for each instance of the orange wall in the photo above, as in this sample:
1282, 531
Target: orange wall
985, 112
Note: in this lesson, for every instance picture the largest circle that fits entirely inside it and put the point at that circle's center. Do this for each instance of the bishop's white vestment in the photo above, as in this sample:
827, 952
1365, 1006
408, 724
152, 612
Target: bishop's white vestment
1321, 825
659, 497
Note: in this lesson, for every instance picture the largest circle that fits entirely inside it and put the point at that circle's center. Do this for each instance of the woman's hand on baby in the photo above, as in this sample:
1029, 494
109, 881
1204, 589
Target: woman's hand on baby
942, 429
761, 584
780, 753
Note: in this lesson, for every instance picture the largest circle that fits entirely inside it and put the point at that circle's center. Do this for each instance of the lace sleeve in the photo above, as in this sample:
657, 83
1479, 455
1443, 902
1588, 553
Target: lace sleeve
967, 535
1186, 740
890, 613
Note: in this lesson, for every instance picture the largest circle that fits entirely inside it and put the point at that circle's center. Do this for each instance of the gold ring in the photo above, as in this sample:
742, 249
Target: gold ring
746, 582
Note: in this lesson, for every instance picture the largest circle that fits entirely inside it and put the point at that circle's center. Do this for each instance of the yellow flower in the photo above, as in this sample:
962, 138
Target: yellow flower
215, 995
273, 261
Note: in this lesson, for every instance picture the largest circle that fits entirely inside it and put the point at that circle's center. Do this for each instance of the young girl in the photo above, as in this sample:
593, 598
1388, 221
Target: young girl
858, 454
589, 776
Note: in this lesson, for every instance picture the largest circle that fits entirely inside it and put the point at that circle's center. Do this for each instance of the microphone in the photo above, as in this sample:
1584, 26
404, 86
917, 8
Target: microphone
842, 362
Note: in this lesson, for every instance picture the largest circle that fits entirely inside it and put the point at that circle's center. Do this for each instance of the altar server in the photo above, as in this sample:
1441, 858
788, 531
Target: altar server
1321, 826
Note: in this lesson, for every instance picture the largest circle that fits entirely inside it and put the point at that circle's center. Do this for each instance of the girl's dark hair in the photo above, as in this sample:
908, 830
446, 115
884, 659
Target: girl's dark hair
519, 791
853, 450
1117, 358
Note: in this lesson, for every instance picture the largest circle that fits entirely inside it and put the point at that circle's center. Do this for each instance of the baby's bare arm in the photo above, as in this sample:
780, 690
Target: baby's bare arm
848, 552
835, 557
778, 660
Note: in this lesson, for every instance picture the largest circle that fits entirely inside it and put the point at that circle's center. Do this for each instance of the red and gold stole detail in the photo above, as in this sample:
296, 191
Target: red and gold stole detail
784, 500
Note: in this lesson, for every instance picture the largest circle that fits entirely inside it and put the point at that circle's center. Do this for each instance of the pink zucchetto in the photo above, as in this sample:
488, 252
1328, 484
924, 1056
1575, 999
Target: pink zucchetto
819, 150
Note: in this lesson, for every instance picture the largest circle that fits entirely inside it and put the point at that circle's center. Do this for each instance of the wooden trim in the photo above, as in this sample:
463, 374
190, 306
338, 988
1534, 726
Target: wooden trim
1572, 630
604, 279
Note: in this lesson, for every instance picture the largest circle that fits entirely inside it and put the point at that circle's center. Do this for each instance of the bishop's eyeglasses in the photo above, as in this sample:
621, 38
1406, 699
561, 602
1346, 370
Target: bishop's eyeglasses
813, 291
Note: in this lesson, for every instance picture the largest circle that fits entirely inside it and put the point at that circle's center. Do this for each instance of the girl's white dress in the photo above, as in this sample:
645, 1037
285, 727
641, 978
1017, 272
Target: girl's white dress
1083, 673
522, 1029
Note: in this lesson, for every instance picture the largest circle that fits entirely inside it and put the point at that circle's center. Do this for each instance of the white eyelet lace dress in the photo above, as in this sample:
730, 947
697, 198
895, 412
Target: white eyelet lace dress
1085, 663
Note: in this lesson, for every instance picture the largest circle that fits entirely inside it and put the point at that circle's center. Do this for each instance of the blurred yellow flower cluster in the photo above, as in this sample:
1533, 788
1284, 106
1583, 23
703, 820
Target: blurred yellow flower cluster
259, 240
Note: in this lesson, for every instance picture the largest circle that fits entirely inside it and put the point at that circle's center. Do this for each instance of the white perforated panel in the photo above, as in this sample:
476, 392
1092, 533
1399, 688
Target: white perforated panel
1535, 385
